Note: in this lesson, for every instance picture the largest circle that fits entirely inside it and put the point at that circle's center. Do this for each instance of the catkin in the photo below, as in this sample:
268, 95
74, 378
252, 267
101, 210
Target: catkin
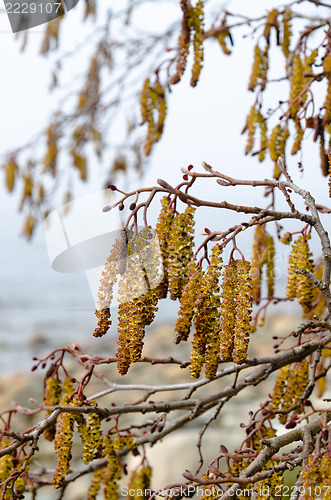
236, 309
63, 445
162, 231
298, 285
206, 339
180, 251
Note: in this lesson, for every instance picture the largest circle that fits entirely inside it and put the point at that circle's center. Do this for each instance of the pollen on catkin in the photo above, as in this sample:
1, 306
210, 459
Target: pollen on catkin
140, 483
196, 21
206, 339
276, 146
298, 285
51, 397
95, 485
243, 313
188, 302
105, 292
290, 385
228, 311
180, 251
315, 473
63, 445
92, 438
287, 32
263, 254
162, 231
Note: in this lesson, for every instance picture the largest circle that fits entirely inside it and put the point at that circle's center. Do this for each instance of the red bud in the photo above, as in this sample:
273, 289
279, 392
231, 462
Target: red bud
132, 206
185, 177
190, 167
112, 187
121, 207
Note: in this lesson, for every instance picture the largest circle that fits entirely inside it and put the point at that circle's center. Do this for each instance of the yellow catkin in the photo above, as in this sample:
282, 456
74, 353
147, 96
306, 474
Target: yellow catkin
262, 255
296, 384
259, 68
95, 485
180, 251
183, 43
11, 170
92, 438
327, 102
138, 301
153, 109
251, 122
256, 67
298, 138
140, 483
196, 21
297, 83
262, 122
188, 302
228, 311
112, 471
279, 388
162, 231
271, 22
63, 445
243, 302
318, 303
287, 32
222, 36
276, 146
316, 473
299, 285
51, 396
206, 340
290, 385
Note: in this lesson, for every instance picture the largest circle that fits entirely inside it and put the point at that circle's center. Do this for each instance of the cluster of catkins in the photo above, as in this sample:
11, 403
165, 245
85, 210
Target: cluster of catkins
290, 386
95, 445
108, 475
222, 329
140, 261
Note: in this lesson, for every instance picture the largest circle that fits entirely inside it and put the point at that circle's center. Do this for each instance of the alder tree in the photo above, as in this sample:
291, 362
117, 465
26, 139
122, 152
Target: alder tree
224, 296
